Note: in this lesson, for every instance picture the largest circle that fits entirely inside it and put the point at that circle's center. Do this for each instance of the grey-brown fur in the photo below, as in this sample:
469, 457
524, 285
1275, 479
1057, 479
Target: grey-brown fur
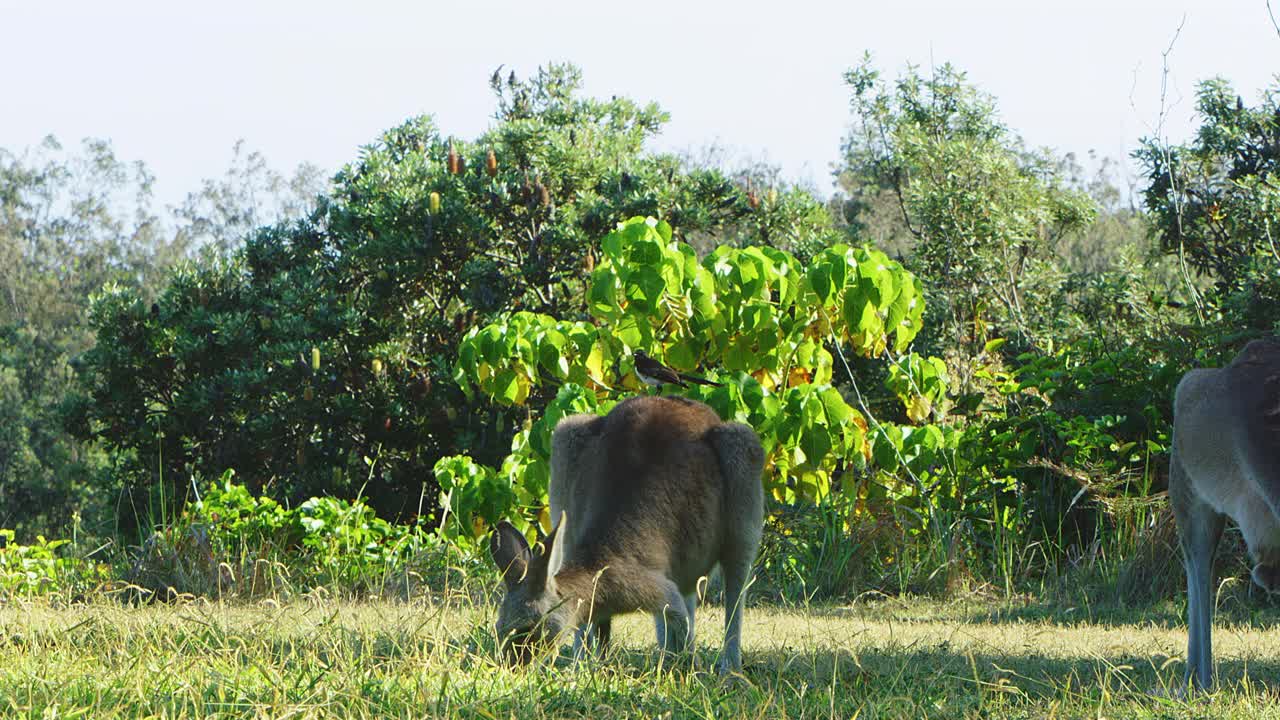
1226, 463
653, 496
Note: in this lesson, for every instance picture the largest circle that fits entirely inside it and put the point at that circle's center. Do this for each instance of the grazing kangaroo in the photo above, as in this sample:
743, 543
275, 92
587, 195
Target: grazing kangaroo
649, 498
1226, 463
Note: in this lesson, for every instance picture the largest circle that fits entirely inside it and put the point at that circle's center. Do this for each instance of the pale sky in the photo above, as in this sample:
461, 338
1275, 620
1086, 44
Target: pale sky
175, 84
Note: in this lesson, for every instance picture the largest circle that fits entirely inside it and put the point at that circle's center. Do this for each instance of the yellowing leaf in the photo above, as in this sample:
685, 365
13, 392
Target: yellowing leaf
765, 378
919, 409
595, 364
799, 376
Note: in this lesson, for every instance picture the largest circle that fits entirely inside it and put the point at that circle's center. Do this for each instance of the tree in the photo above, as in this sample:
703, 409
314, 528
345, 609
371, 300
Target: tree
69, 222
224, 211
330, 340
1215, 205
759, 315
981, 209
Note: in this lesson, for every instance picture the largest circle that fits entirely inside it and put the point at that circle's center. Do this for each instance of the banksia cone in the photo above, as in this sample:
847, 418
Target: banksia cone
491, 163
307, 394
544, 195
590, 263
376, 366
773, 196
434, 202
315, 358
386, 424
455, 161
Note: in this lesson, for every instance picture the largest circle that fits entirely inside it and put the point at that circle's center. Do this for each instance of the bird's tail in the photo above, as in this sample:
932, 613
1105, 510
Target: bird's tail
698, 380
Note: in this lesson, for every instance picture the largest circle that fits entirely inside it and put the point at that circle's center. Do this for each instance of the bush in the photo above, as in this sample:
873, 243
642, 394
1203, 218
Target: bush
232, 543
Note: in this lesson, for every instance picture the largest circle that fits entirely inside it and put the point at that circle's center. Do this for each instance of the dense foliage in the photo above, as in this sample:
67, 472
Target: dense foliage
755, 313
331, 338
1215, 205
965, 377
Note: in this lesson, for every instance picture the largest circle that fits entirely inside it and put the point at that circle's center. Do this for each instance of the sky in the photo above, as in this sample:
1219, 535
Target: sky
176, 84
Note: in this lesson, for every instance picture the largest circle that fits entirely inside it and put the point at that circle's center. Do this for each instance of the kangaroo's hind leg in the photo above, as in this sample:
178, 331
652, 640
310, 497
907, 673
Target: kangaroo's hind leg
741, 464
1199, 529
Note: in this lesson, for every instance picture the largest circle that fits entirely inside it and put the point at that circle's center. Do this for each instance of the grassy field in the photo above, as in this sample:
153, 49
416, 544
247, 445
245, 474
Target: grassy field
890, 658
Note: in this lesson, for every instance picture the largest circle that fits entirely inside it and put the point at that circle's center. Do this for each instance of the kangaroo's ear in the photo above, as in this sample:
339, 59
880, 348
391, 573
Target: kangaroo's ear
536, 574
510, 553
548, 539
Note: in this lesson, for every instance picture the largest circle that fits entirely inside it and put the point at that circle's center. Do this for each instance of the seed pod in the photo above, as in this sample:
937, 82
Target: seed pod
455, 161
752, 199
491, 163
544, 195
315, 358
307, 394
386, 424
434, 202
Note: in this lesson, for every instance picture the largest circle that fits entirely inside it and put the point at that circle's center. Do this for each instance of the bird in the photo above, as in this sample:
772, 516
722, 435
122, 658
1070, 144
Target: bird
652, 372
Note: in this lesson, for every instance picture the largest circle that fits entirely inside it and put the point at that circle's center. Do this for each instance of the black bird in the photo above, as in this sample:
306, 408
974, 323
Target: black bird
652, 372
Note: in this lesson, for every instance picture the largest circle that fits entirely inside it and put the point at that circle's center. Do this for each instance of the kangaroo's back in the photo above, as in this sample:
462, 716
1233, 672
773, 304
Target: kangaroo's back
642, 483
1227, 426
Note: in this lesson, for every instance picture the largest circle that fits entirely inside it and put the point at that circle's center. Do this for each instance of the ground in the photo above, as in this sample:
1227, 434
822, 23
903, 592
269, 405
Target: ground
887, 658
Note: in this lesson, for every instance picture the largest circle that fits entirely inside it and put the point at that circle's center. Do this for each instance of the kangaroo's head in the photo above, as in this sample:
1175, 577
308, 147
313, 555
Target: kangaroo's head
532, 614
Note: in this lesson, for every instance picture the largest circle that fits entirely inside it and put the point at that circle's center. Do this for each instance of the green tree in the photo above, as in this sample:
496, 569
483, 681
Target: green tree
69, 222
1215, 205
981, 209
331, 339
250, 194
759, 315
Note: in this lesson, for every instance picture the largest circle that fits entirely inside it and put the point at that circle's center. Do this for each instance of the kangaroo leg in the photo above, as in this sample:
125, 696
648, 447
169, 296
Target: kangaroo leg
672, 622
737, 572
690, 606
604, 630
741, 465
592, 638
1199, 529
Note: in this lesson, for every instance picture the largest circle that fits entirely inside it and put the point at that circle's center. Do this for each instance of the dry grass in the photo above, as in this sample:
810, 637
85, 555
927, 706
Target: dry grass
892, 658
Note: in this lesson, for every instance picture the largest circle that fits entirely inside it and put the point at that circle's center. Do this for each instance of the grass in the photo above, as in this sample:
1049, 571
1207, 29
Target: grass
890, 658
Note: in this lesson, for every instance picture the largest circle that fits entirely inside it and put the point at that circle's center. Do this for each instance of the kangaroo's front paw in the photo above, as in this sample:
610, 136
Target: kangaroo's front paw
726, 666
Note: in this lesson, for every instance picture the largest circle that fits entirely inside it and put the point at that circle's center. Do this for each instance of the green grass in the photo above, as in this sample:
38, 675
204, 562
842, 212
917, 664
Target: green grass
891, 658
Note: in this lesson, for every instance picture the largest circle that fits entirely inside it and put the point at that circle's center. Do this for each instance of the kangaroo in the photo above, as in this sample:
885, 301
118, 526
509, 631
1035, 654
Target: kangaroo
649, 498
1225, 462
